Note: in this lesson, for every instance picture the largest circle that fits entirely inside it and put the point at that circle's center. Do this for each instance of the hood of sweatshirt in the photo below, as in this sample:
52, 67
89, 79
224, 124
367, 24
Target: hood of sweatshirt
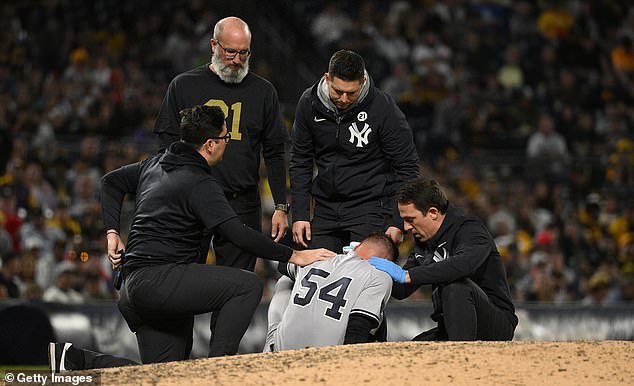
180, 154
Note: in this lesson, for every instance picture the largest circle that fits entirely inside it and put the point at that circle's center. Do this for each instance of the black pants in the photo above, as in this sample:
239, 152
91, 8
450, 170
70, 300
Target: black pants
335, 226
464, 313
249, 210
159, 304
80, 359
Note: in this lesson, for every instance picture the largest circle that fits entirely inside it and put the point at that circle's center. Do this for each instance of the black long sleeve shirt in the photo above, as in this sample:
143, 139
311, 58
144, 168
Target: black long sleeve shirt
178, 207
362, 155
462, 248
254, 120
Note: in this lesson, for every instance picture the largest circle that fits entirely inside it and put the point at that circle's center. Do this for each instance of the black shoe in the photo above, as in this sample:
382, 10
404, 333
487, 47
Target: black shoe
57, 361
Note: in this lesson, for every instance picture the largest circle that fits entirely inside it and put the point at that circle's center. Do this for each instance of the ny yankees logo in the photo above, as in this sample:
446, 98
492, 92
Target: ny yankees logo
361, 136
438, 255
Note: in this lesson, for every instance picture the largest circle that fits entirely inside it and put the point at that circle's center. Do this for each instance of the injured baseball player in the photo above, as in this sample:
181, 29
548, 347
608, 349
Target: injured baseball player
332, 302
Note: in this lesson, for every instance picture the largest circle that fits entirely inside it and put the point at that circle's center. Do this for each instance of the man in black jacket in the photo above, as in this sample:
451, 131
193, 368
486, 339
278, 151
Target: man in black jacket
456, 254
179, 205
363, 149
254, 119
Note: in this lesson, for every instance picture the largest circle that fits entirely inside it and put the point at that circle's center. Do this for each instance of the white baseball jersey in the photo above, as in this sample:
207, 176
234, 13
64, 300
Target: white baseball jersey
324, 296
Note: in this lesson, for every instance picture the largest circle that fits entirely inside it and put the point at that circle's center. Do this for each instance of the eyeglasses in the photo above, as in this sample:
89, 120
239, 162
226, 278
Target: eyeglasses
231, 53
226, 137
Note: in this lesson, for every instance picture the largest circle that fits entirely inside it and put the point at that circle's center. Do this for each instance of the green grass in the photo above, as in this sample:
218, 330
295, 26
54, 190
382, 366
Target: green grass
4, 368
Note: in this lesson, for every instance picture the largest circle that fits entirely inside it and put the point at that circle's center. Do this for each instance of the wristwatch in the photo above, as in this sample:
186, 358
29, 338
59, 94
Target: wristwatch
283, 207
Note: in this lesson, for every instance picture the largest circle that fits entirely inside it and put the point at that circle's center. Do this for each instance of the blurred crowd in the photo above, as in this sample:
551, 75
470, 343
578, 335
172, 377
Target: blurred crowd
522, 110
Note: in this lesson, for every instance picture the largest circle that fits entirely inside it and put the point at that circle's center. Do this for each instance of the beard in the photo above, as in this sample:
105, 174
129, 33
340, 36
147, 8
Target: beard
229, 73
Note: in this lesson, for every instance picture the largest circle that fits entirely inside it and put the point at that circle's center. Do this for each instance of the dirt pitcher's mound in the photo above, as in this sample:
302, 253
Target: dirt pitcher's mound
404, 363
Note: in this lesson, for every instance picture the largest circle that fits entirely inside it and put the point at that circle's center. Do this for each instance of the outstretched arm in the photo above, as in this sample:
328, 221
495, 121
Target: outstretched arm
259, 245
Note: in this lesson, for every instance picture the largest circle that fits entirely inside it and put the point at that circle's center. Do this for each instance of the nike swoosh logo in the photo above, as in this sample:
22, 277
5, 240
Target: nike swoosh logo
441, 244
319, 119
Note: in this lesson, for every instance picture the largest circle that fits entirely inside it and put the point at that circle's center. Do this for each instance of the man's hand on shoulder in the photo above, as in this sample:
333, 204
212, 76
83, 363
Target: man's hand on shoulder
397, 273
308, 256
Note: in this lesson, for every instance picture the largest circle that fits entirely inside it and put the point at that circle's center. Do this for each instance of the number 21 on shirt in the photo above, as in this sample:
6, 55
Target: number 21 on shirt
236, 108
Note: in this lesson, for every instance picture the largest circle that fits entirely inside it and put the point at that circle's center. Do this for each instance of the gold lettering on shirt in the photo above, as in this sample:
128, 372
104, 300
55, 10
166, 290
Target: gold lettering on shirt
236, 109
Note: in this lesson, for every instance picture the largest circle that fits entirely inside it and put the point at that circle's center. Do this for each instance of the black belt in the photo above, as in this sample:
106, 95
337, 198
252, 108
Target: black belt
236, 194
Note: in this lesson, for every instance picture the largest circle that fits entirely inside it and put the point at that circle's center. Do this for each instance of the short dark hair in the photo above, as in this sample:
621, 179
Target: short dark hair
346, 65
200, 123
384, 241
424, 193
